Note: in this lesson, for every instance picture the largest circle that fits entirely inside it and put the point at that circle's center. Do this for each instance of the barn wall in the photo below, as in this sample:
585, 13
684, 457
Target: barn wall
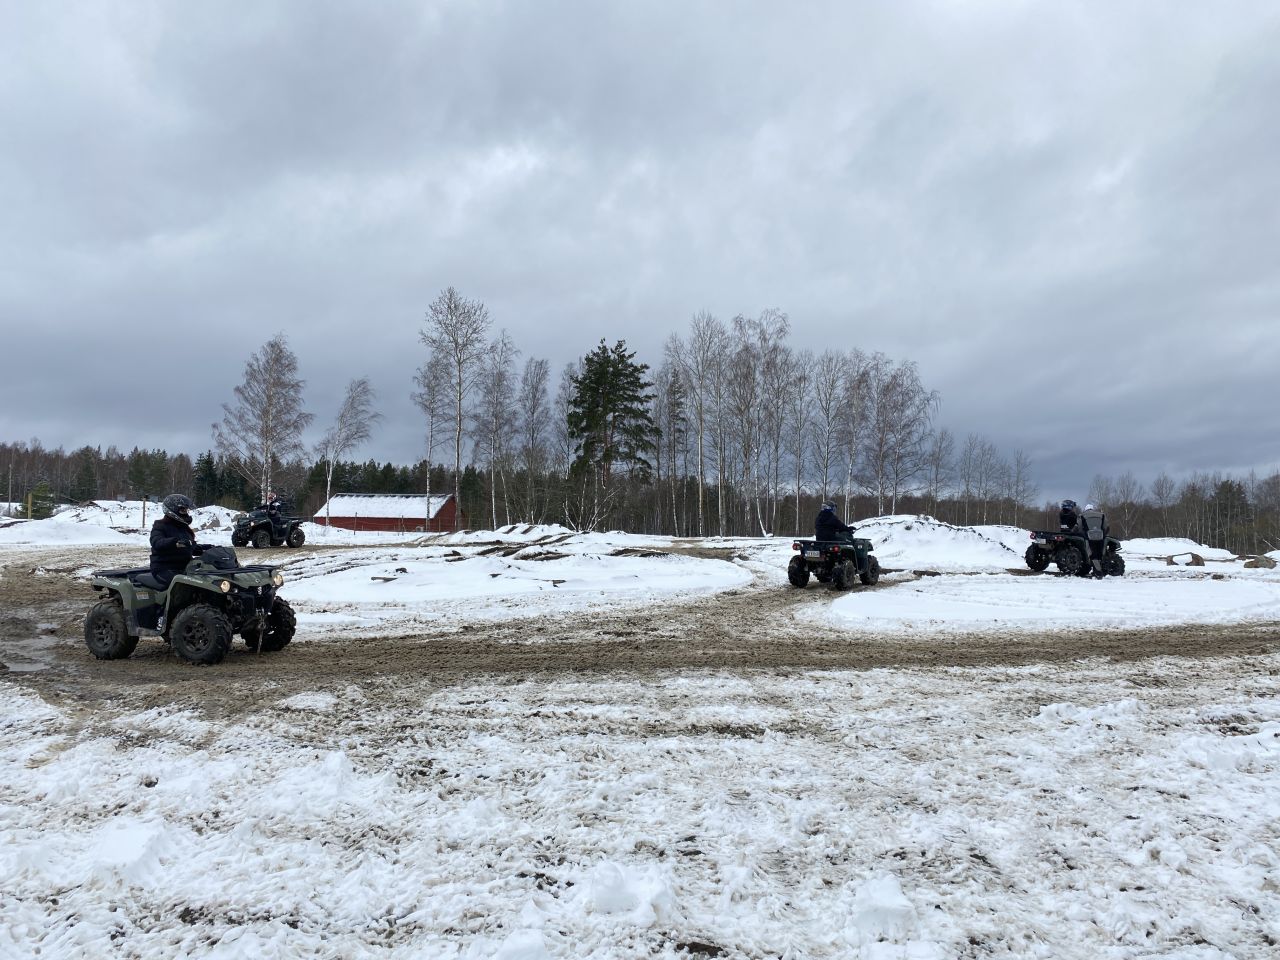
440, 523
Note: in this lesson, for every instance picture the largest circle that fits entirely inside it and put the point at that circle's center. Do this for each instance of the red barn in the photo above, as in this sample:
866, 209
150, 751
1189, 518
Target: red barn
394, 512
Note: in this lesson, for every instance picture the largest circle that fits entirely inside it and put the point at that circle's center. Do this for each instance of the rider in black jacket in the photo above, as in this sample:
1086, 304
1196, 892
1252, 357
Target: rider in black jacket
173, 543
828, 526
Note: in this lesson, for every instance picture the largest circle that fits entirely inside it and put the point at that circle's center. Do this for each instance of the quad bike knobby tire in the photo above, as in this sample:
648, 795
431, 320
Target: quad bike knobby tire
1069, 560
1112, 565
239, 541
871, 575
797, 572
296, 537
201, 634
261, 539
281, 626
1037, 559
844, 574
105, 632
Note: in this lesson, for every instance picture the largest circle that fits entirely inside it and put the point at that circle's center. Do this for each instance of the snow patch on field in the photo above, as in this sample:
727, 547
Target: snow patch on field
1069, 813
1015, 603
380, 588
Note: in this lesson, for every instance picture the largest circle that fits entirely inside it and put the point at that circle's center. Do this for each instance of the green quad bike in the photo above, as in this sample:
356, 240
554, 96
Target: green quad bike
197, 615
255, 529
1070, 552
839, 562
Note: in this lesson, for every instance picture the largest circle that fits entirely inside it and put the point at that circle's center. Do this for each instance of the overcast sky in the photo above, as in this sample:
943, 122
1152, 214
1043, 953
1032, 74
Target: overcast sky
1067, 214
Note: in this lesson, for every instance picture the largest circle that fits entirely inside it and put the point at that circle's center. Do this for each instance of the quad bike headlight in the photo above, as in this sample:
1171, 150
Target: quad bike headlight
278, 579
224, 586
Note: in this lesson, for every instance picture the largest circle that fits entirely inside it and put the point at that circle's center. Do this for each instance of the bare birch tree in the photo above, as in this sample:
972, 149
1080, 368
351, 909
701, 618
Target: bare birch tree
456, 330
432, 398
534, 417
1022, 487
699, 362
265, 426
351, 428
939, 465
799, 416
494, 420
743, 389
828, 381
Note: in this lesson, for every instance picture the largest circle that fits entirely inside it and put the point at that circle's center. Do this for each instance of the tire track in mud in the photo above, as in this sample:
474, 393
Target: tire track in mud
756, 628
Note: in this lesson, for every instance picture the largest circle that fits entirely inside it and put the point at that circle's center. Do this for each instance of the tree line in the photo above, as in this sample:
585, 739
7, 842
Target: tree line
733, 432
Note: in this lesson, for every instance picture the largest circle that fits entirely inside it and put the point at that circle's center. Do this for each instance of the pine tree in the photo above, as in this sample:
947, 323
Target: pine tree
609, 414
206, 485
84, 484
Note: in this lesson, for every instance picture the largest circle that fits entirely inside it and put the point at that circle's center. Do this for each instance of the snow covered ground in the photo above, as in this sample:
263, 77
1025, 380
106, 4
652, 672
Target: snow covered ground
1089, 812
1077, 808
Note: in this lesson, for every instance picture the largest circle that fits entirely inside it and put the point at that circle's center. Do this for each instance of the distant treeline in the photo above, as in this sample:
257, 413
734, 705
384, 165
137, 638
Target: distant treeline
735, 432
1241, 514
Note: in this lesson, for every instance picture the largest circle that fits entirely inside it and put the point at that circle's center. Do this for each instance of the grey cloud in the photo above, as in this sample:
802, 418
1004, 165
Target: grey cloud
994, 192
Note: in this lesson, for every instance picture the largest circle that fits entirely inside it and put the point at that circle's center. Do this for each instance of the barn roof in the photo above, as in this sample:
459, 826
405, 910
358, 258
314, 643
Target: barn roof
406, 506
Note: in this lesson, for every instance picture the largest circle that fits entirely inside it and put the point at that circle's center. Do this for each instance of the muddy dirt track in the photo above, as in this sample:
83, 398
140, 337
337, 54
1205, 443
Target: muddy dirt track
42, 601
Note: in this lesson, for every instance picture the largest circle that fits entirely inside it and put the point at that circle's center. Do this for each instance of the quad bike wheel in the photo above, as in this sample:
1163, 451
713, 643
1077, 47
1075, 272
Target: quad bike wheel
797, 572
1037, 559
281, 626
201, 634
261, 539
871, 575
105, 632
296, 537
1069, 560
844, 575
239, 541
1113, 565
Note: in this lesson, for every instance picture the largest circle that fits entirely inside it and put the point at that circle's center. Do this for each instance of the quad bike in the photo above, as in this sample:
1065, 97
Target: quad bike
255, 529
839, 562
1071, 554
197, 613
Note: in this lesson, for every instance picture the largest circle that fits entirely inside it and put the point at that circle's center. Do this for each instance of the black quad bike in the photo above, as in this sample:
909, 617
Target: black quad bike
839, 562
197, 615
255, 529
1070, 552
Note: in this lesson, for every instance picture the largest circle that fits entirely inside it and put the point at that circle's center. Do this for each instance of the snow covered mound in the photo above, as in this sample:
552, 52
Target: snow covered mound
108, 521
923, 542
399, 588
1173, 547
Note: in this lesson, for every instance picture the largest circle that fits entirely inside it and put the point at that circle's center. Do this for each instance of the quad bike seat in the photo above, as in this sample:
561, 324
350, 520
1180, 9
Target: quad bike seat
145, 578
139, 578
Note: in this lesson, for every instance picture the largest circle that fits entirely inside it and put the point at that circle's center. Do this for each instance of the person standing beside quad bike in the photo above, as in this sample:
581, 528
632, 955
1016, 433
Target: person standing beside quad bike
1093, 524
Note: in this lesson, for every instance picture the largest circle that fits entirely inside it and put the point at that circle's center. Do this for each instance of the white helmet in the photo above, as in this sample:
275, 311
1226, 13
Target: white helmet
1090, 506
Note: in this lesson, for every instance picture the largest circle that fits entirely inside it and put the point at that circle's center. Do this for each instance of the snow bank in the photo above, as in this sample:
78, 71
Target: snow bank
390, 588
1006, 602
110, 522
1172, 547
922, 542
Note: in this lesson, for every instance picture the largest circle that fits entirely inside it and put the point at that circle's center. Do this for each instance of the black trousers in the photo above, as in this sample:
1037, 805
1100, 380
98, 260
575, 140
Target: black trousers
1096, 548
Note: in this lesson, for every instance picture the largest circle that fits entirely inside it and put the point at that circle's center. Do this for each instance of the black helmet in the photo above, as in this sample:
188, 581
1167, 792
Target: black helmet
1068, 505
828, 504
179, 507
